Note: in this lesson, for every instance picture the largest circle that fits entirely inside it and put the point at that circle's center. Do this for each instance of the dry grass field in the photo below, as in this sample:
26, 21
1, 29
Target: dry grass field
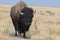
46, 19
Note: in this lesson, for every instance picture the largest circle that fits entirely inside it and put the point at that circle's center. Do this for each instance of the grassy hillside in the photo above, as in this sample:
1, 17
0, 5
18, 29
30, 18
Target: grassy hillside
46, 19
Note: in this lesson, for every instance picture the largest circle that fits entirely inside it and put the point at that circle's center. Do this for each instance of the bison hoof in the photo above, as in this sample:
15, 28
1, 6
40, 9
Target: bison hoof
26, 37
15, 34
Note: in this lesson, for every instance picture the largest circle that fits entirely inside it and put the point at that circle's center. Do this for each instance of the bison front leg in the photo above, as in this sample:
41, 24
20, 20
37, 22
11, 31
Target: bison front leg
24, 36
15, 27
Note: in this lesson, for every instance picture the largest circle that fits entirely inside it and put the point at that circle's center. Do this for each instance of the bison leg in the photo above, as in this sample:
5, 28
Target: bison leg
15, 27
24, 35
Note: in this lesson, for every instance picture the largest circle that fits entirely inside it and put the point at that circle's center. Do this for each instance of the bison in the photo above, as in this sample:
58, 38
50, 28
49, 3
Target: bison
21, 17
15, 15
22, 21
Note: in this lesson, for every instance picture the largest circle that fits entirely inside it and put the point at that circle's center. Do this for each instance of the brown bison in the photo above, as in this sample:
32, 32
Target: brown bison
21, 16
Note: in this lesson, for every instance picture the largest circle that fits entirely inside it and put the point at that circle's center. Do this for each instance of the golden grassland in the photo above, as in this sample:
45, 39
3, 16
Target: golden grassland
46, 19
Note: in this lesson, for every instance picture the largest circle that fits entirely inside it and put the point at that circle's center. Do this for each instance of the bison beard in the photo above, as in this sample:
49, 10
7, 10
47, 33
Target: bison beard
25, 20
22, 22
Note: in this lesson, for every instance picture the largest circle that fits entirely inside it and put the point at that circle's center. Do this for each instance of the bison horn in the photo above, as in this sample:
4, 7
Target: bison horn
21, 13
